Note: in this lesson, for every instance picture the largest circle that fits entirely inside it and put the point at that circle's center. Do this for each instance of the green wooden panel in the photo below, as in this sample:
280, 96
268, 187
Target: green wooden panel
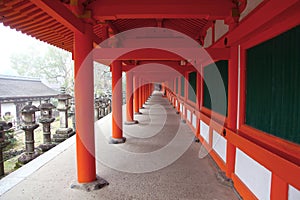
218, 87
273, 86
192, 89
182, 86
176, 85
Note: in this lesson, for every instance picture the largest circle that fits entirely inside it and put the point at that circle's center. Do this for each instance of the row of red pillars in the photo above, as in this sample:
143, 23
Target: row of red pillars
137, 93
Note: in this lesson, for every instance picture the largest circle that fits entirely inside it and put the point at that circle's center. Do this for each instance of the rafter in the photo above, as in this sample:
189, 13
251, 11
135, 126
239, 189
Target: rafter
59, 12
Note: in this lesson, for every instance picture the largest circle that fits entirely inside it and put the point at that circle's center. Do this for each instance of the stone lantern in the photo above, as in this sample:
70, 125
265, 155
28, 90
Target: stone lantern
4, 128
102, 106
46, 119
72, 113
107, 105
63, 132
97, 108
28, 125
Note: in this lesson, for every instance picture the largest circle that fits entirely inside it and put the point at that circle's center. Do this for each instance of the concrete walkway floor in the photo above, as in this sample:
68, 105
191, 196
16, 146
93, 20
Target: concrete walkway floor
158, 161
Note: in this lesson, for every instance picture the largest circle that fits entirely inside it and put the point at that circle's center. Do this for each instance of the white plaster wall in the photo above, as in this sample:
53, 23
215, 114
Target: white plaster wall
176, 103
251, 5
188, 115
294, 194
194, 121
219, 145
220, 29
8, 107
38, 113
204, 131
183, 110
36, 103
208, 38
256, 177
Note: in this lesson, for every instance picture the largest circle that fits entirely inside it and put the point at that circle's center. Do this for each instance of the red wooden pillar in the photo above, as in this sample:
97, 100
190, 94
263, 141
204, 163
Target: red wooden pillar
136, 95
199, 88
186, 86
84, 107
129, 99
178, 95
199, 96
117, 129
232, 107
140, 94
148, 90
143, 93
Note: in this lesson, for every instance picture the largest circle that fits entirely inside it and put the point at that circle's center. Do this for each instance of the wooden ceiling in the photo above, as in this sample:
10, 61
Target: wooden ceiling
48, 20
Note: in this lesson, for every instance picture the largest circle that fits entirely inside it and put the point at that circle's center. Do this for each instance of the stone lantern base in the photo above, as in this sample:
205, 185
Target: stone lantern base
27, 157
2, 146
46, 147
62, 134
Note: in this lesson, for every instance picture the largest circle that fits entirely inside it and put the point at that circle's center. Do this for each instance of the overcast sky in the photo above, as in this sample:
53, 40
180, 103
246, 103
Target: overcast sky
12, 41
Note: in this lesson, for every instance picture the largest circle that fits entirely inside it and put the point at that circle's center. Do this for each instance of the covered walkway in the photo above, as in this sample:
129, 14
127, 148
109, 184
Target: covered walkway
188, 177
229, 67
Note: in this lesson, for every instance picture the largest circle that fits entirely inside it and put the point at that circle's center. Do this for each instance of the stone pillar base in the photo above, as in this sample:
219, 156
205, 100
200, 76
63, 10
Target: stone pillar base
117, 140
46, 147
183, 121
95, 185
196, 139
62, 134
27, 157
138, 113
177, 112
131, 122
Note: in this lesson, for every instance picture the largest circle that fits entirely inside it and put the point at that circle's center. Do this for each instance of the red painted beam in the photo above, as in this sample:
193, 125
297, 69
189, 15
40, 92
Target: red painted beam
114, 9
104, 55
158, 66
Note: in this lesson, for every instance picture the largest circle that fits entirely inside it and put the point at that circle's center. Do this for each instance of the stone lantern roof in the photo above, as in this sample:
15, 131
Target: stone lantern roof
5, 126
63, 95
29, 108
46, 105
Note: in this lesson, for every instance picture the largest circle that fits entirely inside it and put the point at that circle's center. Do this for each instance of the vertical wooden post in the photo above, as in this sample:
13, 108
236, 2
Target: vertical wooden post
136, 95
129, 99
232, 107
199, 98
84, 107
140, 94
186, 86
279, 188
117, 128
178, 95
